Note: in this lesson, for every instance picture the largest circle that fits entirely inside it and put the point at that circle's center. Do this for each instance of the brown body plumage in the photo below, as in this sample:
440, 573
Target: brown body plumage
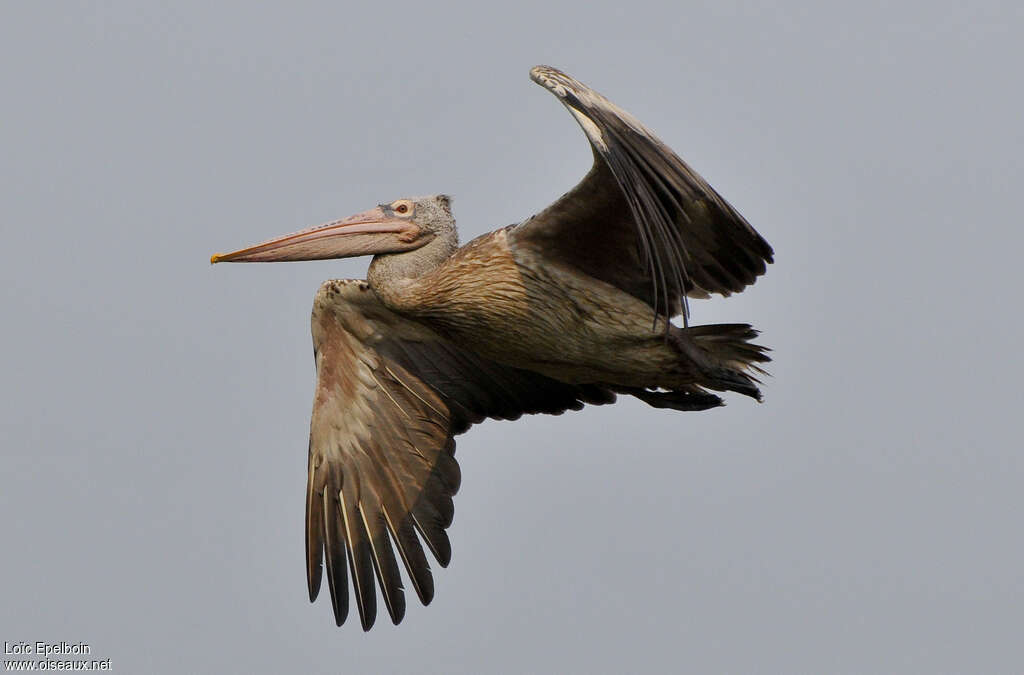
518, 307
567, 308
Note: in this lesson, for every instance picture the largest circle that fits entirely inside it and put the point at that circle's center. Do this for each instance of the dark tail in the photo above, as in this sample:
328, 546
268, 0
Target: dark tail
719, 357
725, 358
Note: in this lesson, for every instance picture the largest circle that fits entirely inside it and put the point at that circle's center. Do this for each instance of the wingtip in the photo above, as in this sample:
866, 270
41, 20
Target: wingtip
340, 612
537, 72
426, 595
548, 77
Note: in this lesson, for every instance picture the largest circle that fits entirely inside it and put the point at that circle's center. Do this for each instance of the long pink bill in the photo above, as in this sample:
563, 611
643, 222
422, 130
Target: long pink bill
370, 232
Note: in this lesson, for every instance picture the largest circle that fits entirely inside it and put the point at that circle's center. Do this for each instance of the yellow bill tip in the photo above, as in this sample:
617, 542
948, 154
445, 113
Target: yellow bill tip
215, 258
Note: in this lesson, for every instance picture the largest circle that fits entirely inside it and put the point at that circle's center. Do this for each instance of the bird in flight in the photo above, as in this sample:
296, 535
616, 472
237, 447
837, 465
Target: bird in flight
572, 306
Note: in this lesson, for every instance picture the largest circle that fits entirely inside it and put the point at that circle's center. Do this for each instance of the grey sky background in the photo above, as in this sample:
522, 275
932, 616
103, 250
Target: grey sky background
865, 518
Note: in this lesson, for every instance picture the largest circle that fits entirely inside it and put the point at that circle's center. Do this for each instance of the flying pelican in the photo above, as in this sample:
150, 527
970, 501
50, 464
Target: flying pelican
572, 306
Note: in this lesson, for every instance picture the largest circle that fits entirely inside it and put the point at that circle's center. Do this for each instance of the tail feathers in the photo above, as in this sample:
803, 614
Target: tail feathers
728, 361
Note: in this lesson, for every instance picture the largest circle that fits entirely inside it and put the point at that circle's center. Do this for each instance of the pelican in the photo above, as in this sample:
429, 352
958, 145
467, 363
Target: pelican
569, 307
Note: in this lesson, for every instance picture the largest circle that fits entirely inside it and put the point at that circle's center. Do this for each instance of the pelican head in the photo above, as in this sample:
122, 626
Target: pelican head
403, 225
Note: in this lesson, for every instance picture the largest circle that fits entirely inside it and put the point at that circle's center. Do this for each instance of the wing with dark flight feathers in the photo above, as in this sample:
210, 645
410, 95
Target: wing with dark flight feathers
642, 219
391, 394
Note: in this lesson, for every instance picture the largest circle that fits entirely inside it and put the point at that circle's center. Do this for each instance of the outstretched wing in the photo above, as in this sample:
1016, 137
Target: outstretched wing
642, 219
391, 394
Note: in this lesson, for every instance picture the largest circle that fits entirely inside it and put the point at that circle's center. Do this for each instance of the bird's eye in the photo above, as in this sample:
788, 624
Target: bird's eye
402, 208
